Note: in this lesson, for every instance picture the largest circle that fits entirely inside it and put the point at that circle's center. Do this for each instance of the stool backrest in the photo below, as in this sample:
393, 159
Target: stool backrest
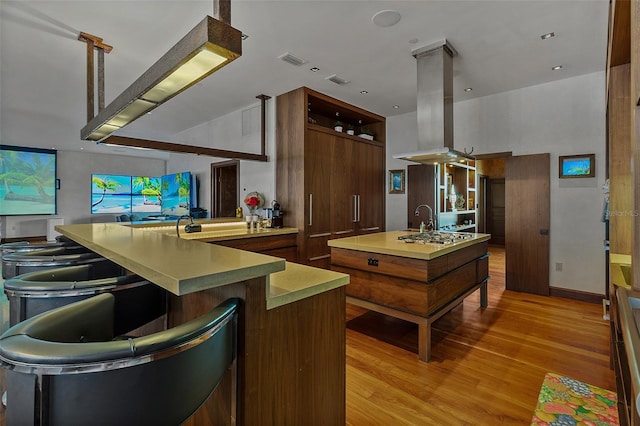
159, 379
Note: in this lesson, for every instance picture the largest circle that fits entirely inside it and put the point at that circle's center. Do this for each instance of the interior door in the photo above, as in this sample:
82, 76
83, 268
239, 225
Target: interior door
343, 188
370, 166
496, 208
225, 199
527, 223
317, 184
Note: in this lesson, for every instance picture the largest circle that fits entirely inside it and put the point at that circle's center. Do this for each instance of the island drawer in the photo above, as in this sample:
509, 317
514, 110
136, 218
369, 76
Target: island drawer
402, 267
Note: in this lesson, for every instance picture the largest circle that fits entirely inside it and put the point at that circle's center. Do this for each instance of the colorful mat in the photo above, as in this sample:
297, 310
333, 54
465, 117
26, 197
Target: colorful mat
566, 402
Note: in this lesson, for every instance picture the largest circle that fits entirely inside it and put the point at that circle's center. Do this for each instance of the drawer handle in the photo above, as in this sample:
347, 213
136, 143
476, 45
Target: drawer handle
320, 257
372, 261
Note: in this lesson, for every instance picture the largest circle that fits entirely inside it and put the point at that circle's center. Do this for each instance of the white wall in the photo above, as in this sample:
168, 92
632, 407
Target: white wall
237, 131
74, 197
402, 136
562, 118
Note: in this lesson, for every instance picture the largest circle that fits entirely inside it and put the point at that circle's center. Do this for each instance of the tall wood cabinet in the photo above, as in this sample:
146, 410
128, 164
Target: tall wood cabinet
623, 124
330, 184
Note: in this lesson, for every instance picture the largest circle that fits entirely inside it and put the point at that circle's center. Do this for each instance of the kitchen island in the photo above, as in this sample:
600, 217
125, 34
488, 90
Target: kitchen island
418, 282
291, 324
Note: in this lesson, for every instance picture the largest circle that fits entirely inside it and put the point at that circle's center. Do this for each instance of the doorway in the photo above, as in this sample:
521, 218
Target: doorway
491, 196
225, 188
495, 210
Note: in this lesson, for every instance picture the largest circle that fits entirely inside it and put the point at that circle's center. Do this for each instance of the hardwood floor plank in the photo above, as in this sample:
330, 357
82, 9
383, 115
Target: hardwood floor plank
487, 364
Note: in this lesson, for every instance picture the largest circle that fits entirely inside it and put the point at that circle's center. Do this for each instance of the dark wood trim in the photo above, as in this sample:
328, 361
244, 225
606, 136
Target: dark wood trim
493, 155
189, 149
263, 122
576, 295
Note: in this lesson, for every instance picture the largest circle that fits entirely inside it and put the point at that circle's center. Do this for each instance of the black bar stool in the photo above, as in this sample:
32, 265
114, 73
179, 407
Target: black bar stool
19, 263
66, 369
36, 292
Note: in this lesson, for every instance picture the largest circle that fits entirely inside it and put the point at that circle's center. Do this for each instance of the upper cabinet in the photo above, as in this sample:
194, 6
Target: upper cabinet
330, 170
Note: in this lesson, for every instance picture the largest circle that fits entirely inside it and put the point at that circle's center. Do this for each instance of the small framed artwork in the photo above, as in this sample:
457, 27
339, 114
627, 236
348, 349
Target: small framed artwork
396, 181
577, 166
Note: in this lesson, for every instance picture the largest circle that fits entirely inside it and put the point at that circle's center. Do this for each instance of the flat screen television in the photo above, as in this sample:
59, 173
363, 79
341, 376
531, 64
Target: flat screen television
110, 194
27, 181
176, 194
146, 195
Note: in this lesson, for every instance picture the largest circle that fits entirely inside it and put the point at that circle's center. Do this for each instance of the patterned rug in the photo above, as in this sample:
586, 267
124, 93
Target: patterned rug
566, 402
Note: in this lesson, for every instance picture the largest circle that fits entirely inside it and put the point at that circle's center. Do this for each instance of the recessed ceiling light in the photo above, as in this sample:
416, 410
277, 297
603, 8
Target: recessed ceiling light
413, 41
363, 92
396, 106
468, 89
386, 18
315, 69
547, 36
557, 67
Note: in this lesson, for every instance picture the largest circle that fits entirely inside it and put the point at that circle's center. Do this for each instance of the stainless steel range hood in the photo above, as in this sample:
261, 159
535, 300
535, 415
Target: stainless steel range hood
435, 106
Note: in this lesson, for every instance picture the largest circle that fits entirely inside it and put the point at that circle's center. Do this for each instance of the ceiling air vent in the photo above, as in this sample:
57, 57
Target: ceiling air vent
337, 80
293, 60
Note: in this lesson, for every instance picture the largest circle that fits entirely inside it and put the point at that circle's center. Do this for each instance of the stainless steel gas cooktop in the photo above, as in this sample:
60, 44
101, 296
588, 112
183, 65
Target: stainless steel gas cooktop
436, 237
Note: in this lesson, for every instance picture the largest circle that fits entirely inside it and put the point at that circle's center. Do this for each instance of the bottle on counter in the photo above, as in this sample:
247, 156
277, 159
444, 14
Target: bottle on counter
423, 227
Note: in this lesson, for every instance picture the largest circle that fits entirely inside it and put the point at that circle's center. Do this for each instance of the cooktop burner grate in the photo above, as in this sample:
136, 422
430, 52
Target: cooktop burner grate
436, 237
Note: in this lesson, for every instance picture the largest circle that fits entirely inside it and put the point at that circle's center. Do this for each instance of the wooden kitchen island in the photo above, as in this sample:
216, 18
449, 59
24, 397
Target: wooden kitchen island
414, 282
291, 324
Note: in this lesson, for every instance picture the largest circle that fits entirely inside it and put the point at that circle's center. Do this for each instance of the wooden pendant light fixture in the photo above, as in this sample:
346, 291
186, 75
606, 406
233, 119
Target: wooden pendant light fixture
210, 45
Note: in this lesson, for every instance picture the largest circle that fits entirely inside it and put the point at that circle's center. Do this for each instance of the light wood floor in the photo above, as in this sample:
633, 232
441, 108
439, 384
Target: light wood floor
487, 365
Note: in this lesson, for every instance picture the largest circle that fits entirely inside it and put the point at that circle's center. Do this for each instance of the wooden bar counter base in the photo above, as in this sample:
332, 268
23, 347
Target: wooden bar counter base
291, 324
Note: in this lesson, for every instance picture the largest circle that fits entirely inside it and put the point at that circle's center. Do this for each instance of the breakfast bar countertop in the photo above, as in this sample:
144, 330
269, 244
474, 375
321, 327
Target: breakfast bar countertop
217, 230
388, 243
182, 266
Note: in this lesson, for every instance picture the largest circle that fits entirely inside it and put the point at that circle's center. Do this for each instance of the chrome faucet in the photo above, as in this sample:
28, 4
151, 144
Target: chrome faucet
191, 227
431, 225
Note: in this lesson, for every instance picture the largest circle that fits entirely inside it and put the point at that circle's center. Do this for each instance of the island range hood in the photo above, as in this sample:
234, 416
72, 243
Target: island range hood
435, 106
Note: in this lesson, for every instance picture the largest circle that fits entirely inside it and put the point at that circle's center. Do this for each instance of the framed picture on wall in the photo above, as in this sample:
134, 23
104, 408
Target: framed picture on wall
396, 181
577, 166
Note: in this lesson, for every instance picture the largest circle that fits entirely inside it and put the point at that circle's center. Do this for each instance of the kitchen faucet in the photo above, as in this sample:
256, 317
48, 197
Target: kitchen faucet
189, 228
431, 225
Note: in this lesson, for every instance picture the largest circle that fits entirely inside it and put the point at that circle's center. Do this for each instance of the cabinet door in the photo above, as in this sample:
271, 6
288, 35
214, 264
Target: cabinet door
343, 188
370, 165
317, 196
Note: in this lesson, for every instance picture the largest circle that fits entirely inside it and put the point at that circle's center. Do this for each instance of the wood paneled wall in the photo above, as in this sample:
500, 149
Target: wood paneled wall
620, 153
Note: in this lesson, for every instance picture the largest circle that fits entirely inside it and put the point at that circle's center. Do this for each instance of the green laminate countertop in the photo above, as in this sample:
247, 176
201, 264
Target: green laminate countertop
182, 266
388, 243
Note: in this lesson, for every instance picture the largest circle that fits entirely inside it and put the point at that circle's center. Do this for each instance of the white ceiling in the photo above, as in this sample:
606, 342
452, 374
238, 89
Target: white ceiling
43, 68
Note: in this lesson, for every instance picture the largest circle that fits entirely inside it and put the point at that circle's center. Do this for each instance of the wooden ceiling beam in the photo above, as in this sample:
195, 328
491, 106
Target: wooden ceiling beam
183, 149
